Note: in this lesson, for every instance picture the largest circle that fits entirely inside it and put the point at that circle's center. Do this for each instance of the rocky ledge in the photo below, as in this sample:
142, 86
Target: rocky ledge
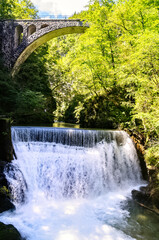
5, 201
139, 142
9, 232
148, 196
6, 156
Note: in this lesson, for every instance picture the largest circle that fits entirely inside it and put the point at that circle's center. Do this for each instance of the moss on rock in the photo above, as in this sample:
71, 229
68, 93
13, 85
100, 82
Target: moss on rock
9, 232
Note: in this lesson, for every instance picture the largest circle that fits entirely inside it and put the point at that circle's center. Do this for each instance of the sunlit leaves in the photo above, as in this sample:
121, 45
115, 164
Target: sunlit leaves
119, 50
17, 9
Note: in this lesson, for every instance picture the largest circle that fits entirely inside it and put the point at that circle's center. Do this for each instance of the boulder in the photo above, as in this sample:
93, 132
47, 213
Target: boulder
9, 232
142, 196
149, 196
5, 203
6, 149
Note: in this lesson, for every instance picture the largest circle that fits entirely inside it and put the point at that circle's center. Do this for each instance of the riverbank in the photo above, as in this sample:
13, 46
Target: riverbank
6, 156
7, 232
147, 197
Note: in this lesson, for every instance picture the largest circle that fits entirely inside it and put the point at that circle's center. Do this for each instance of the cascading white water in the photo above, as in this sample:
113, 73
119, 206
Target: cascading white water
70, 184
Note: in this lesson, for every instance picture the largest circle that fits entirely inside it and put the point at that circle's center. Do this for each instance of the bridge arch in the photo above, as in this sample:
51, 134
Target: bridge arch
18, 35
31, 29
44, 25
38, 37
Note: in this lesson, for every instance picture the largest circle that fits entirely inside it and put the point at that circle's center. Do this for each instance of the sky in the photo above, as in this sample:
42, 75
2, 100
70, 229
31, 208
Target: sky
59, 7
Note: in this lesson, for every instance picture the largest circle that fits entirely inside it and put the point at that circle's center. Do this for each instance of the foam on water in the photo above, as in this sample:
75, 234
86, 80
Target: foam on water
73, 186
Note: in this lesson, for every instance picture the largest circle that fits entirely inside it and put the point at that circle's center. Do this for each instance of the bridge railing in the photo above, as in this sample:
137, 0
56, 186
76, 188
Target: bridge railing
46, 16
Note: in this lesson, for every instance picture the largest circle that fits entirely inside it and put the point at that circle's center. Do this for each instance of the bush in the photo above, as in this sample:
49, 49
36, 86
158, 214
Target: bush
104, 112
152, 156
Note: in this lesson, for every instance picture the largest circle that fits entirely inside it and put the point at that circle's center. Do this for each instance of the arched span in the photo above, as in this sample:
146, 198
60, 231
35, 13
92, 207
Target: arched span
18, 35
31, 29
33, 43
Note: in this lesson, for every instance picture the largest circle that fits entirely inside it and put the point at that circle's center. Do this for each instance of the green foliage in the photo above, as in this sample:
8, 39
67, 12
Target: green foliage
105, 111
69, 115
17, 9
29, 101
34, 103
6, 7
4, 191
30, 107
152, 156
58, 73
113, 66
119, 51
8, 91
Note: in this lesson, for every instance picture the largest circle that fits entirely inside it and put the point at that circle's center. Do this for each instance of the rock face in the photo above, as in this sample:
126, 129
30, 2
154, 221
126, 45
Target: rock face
6, 148
138, 140
9, 232
148, 197
153, 188
5, 202
6, 155
142, 197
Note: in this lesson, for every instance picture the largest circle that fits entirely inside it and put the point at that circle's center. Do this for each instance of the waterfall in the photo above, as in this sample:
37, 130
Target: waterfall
71, 183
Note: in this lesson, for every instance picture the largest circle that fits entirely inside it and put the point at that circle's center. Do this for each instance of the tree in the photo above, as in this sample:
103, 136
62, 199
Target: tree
8, 91
35, 103
17, 9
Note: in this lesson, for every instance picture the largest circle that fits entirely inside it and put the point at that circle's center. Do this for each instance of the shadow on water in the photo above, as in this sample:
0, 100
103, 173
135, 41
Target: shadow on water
59, 125
141, 224
65, 125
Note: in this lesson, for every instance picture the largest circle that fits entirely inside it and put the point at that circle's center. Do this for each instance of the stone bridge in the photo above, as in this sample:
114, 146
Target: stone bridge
19, 38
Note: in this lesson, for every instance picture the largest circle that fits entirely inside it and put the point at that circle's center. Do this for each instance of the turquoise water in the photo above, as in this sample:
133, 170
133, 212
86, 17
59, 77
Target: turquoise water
141, 224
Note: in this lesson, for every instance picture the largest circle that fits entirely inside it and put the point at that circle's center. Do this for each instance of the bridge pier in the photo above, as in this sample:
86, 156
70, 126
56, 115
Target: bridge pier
7, 42
1, 33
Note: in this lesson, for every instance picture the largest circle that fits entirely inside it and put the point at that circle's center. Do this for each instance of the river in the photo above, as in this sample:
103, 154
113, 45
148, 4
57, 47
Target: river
74, 184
